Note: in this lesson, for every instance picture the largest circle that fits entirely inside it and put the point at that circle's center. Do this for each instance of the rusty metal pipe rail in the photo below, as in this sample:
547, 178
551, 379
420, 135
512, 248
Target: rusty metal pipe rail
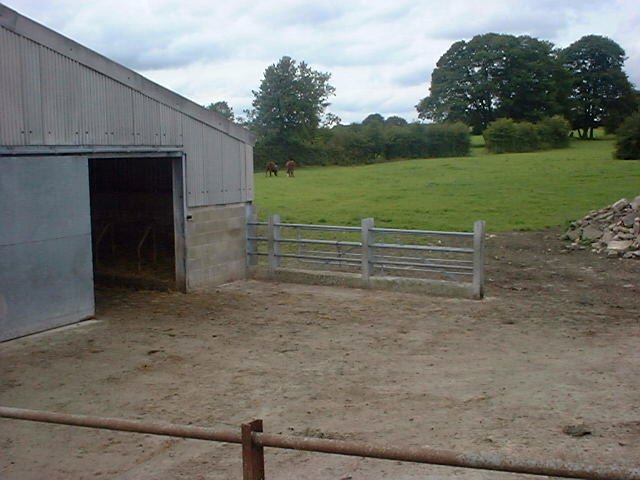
117, 424
448, 458
254, 440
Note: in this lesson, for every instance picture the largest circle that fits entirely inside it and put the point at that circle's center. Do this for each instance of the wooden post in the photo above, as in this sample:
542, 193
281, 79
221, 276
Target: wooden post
252, 454
367, 240
274, 245
479, 228
252, 245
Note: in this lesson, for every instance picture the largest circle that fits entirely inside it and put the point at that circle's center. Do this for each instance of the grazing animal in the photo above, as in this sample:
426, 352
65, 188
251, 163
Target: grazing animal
291, 166
272, 168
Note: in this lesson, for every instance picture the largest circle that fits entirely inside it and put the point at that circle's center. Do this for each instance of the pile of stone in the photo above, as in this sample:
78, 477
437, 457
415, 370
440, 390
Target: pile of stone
614, 230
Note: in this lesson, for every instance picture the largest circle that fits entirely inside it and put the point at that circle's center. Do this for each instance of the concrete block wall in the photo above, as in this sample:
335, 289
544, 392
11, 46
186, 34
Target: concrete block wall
216, 245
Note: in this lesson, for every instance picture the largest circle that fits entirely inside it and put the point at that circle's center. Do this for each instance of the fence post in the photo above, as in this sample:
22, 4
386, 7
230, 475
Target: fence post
367, 240
478, 259
252, 454
274, 245
251, 217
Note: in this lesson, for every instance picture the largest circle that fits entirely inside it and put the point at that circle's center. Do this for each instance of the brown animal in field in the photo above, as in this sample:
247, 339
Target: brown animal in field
272, 168
291, 166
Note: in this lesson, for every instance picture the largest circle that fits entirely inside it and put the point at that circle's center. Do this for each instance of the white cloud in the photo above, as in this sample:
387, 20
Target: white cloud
380, 54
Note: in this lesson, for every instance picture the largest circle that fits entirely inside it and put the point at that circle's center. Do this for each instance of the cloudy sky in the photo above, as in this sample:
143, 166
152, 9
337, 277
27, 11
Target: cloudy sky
380, 53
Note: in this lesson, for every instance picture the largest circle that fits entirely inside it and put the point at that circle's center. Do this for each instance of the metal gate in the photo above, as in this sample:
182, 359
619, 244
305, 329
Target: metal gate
46, 271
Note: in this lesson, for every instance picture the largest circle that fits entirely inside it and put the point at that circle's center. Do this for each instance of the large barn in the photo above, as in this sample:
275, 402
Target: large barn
107, 176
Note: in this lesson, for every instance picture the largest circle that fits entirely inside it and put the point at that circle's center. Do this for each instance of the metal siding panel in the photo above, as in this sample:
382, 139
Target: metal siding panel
49, 111
248, 194
70, 104
146, 114
240, 183
171, 126
31, 95
119, 113
152, 119
213, 167
45, 285
242, 186
101, 127
232, 170
194, 148
11, 111
46, 271
78, 53
93, 104
61, 59
73, 96
60, 99
70, 98
33, 193
138, 118
136, 98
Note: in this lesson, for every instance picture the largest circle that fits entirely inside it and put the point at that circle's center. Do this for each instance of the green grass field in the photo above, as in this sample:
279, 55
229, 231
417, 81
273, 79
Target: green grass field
524, 191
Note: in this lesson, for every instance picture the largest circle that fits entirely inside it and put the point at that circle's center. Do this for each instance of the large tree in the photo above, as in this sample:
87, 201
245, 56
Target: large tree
223, 109
373, 119
601, 94
491, 76
291, 100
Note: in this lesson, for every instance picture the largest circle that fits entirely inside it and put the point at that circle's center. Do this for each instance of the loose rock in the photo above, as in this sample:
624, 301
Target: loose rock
613, 230
577, 430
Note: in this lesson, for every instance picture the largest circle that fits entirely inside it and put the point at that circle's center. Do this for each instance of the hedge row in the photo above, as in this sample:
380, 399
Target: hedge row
628, 138
506, 135
363, 144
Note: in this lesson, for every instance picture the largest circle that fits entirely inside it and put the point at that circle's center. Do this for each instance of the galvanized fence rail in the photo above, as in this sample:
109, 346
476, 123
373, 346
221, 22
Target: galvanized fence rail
456, 256
254, 440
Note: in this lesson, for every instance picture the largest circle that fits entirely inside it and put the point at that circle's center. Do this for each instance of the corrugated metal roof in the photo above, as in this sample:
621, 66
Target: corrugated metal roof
21, 25
50, 98
12, 124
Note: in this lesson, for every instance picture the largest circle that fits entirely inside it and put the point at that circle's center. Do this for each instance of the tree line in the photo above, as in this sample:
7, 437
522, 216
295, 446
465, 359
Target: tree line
491, 77
503, 76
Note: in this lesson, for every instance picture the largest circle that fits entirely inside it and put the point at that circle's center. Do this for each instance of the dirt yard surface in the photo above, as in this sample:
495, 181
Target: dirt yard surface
547, 366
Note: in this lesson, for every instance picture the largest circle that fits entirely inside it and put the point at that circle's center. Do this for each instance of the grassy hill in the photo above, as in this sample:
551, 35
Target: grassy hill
524, 191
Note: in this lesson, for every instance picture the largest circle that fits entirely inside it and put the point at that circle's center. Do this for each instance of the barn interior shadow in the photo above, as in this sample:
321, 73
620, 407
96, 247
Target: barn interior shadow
132, 222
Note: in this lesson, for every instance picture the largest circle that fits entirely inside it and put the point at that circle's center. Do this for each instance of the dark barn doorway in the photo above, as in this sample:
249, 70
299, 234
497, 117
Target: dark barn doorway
132, 222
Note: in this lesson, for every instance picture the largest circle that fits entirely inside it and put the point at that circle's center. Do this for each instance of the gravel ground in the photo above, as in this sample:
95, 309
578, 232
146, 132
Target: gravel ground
546, 367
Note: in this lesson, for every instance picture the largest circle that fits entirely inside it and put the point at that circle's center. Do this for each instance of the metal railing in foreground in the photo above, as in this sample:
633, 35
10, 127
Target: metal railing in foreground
254, 440
365, 250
